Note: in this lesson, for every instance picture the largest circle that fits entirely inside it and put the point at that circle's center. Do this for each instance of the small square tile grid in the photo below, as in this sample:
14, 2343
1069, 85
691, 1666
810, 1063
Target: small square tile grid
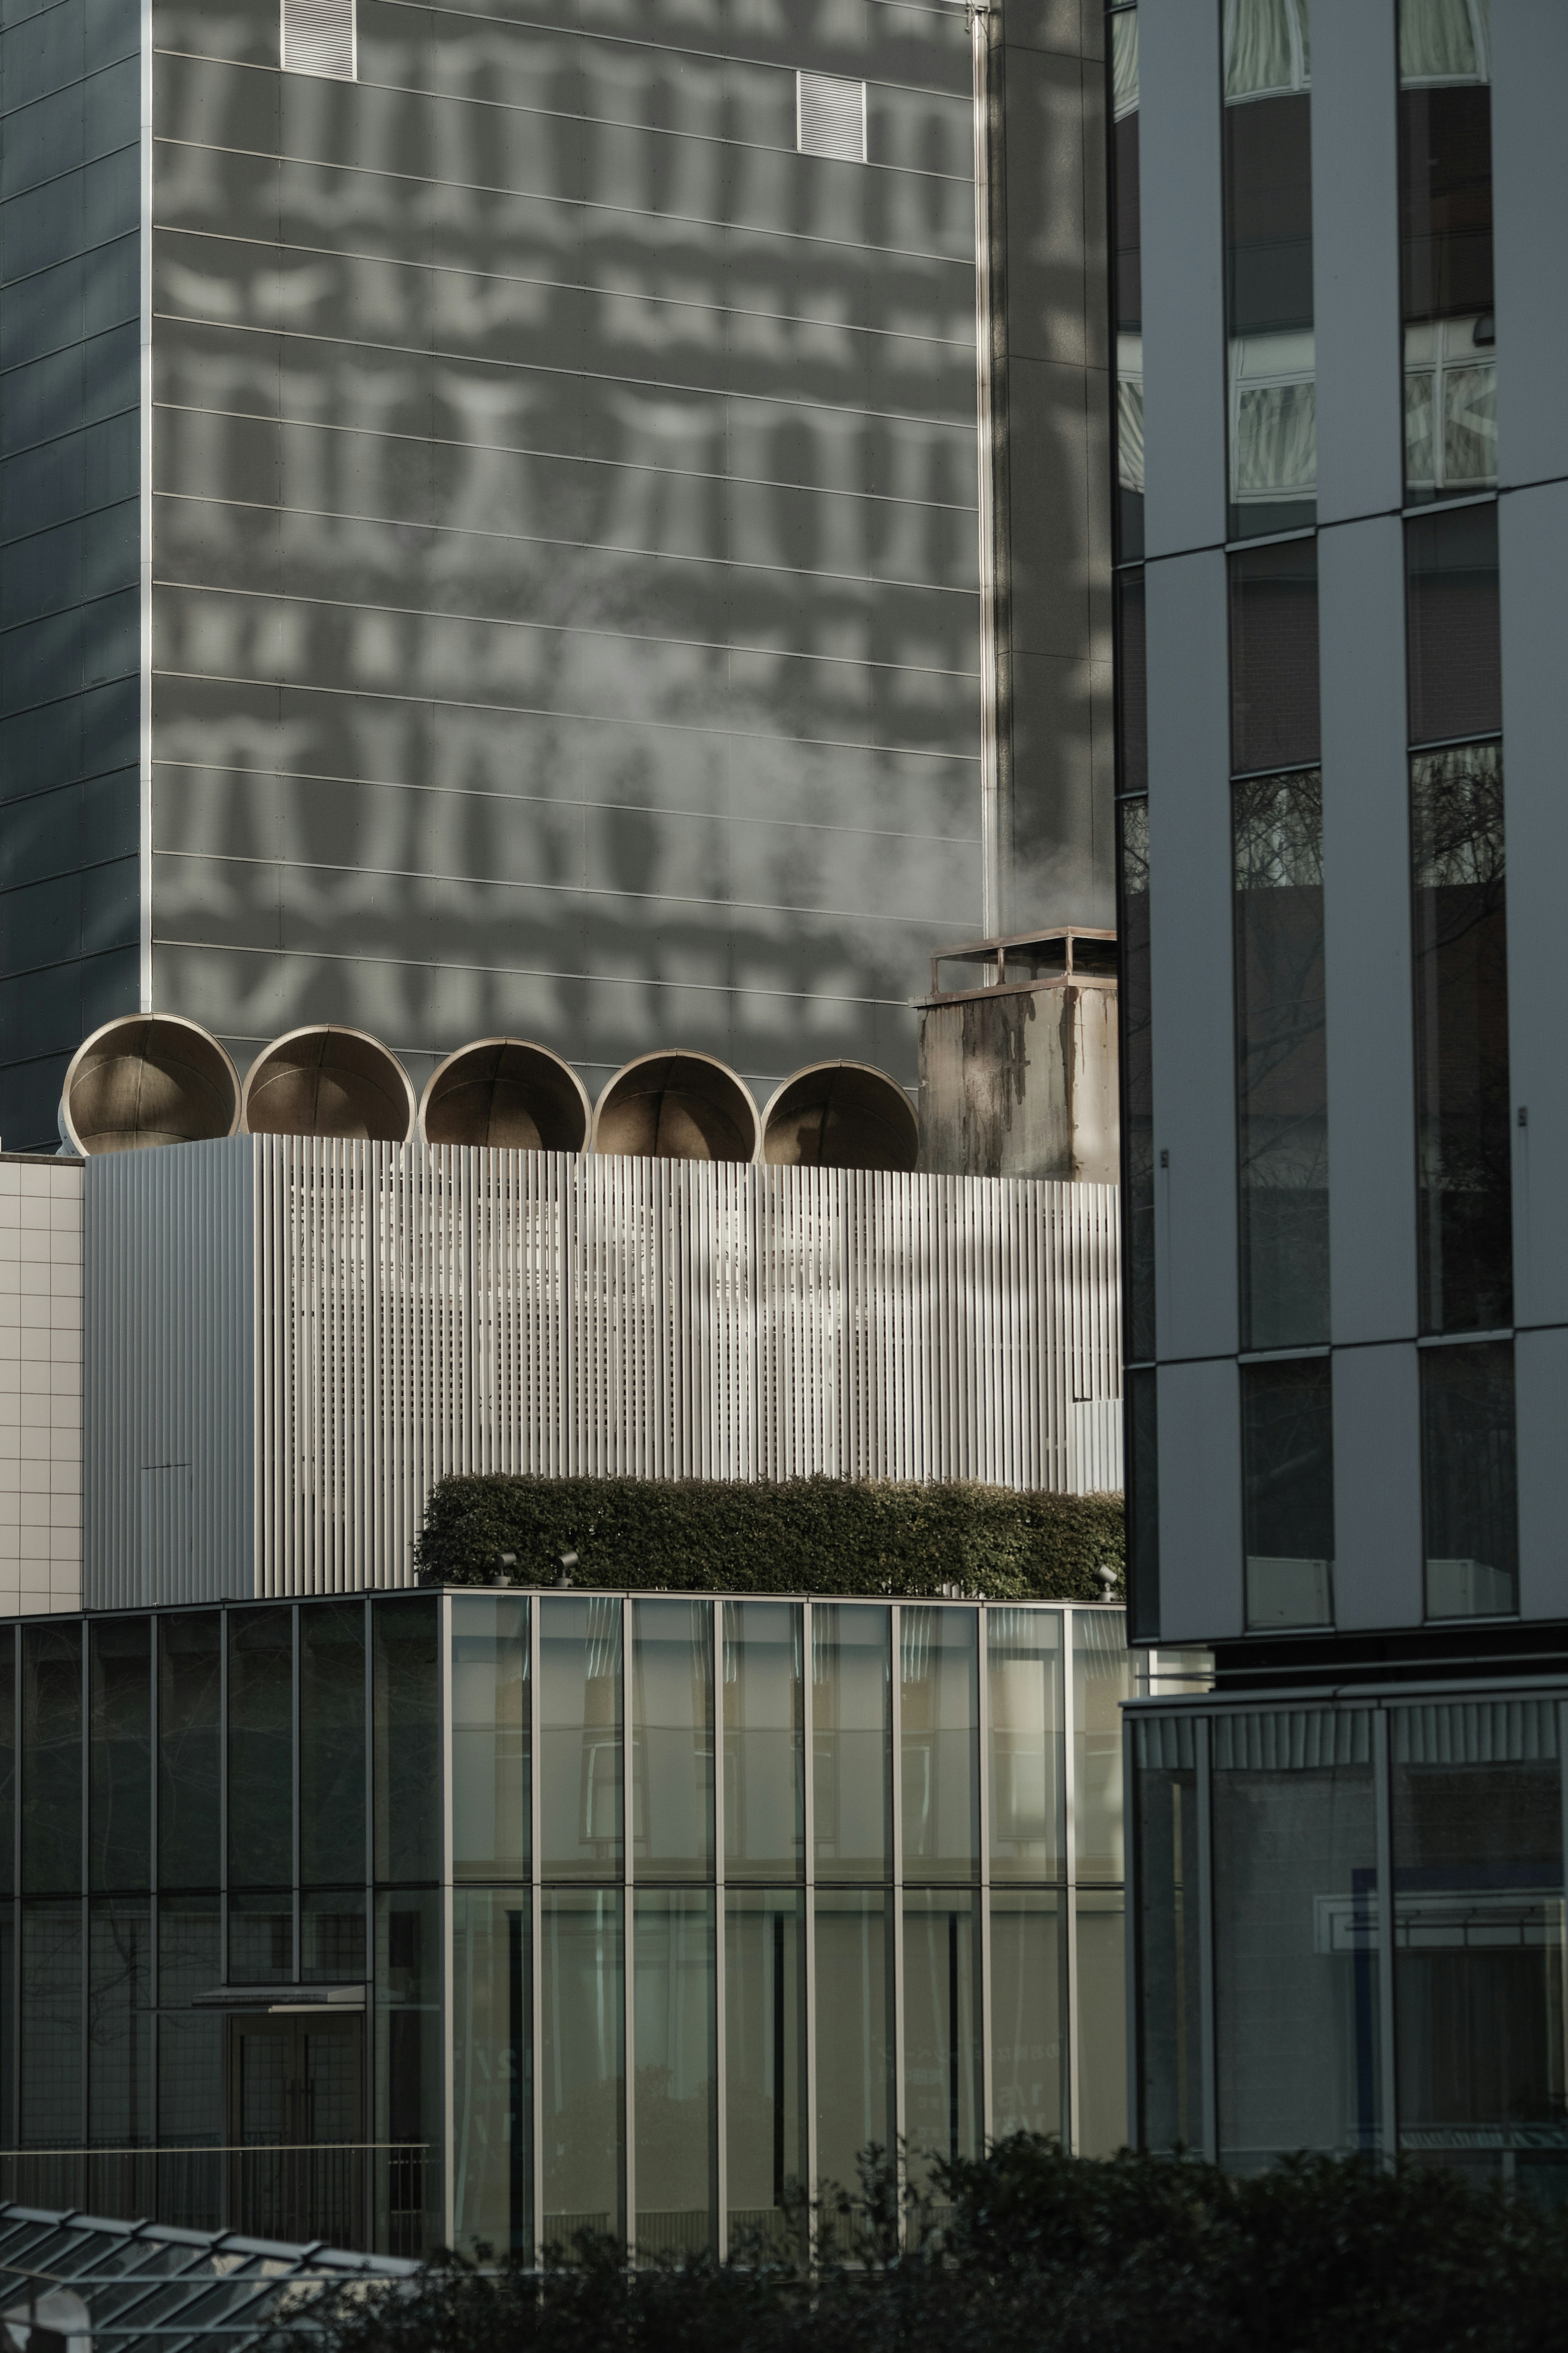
40, 1385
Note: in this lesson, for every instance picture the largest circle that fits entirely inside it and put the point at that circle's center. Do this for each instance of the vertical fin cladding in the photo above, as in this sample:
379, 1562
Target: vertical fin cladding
437, 1311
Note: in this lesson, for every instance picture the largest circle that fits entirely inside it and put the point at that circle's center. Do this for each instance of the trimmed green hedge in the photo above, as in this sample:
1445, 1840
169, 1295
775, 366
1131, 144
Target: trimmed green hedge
793, 1535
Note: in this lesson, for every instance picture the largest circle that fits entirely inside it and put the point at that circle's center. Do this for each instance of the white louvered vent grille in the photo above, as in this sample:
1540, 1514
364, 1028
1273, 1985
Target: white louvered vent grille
830, 117
319, 39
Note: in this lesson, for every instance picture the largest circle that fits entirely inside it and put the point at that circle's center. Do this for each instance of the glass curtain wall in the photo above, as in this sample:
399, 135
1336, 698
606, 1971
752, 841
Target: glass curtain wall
1277, 802
1137, 1097
1126, 282
1478, 1944
168, 1952
1387, 1876
1469, 1481
872, 1893
1460, 923
1268, 168
1446, 248
1288, 1491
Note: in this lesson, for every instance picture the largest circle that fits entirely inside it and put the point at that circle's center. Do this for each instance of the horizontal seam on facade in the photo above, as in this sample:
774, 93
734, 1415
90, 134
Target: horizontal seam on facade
62, 783
131, 235
65, 873
575, 204
53, 440
542, 711
61, 964
717, 56
626, 41
664, 386
83, 164
72, 604
556, 456
530, 972
505, 882
83, 604
78, 342
72, 82
24, 539
539, 800
553, 629
53, 701
542, 539
279, 245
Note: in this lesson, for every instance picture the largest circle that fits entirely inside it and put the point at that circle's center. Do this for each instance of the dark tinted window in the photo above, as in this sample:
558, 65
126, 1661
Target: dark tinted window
1131, 685
1469, 1487
260, 1747
190, 1670
120, 1753
1446, 201
1137, 1081
51, 1760
1288, 1491
1454, 649
1274, 721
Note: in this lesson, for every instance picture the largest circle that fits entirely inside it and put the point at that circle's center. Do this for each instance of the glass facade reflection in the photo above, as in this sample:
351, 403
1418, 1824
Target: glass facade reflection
1385, 1876
1268, 168
1126, 281
1446, 248
872, 1893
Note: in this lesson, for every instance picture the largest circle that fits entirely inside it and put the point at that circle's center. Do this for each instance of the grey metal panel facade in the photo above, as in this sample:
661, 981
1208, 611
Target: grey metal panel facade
1531, 525
1355, 259
1366, 932
168, 1376
1541, 1408
1200, 1502
1184, 287
1378, 1556
1530, 214
1190, 892
69, 544
566, 606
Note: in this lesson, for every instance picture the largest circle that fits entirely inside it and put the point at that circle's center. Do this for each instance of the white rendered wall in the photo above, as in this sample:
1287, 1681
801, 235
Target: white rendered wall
40, 1385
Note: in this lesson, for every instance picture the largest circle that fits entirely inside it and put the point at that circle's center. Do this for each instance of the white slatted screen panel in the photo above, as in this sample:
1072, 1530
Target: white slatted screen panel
830, 117
423, 1312
319, 39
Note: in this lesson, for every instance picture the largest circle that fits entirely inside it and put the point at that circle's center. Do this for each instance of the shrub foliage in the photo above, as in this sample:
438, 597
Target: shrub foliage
792, 1536
1045, 2254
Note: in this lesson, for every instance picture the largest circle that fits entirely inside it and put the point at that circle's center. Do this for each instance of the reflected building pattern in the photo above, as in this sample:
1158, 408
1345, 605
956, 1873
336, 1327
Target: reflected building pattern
563, 611
535, 592
636, 1914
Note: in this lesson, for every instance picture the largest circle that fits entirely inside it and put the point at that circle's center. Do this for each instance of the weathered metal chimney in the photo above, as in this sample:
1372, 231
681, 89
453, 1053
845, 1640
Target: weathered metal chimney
1018, 1059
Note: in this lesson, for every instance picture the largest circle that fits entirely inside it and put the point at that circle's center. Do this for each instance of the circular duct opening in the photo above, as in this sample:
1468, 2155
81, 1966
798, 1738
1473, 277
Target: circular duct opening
676, 1107
328, 1081
146, 1080
840, 1115
505, 1092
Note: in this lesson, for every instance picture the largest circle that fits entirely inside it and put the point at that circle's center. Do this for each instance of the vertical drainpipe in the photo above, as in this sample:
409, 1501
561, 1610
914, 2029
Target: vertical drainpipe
993, 909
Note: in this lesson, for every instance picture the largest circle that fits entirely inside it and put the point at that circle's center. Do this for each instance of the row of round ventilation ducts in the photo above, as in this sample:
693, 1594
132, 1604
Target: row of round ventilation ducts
154, 1078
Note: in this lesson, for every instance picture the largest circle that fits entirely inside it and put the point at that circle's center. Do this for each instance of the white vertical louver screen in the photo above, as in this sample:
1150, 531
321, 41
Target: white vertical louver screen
318, 37
830, 117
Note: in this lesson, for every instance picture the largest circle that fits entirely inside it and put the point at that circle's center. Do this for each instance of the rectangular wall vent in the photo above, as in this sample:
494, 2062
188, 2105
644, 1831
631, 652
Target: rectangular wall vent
319, 39
830, 117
